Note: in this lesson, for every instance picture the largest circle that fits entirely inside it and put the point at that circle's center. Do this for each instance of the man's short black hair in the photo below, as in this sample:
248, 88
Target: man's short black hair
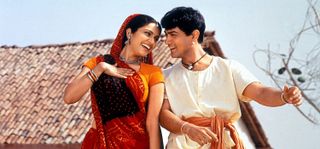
186, 19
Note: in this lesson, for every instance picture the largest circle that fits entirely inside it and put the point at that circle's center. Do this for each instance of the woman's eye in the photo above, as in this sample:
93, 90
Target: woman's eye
148, 34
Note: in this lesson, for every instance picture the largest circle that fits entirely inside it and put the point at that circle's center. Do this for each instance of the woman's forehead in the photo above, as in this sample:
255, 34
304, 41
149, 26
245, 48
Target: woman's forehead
153, 27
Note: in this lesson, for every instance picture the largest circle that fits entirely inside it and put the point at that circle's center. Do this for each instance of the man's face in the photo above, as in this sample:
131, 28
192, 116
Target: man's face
178, 42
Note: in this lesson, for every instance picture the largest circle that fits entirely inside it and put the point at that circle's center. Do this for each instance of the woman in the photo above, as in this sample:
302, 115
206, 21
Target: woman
126, 89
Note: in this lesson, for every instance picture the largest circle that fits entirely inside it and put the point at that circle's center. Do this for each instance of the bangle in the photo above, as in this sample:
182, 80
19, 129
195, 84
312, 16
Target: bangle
94, 74
283, 99
181, 128
90, 77
94, 78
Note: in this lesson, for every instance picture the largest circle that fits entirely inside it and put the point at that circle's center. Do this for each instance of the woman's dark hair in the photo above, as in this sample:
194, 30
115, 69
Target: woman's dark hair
187, 19
137, 22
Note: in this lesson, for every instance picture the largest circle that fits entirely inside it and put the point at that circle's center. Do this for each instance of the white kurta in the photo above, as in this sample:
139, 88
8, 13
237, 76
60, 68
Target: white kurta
213, 91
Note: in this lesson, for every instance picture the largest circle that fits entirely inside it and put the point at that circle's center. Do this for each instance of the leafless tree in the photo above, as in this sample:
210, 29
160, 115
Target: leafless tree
294, 68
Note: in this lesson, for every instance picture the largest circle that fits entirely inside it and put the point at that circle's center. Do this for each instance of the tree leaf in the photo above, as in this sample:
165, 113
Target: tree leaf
296, 71
301, 79
281, 70
283, 55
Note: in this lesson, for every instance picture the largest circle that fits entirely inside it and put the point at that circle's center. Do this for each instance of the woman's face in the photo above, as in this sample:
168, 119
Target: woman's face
144, 39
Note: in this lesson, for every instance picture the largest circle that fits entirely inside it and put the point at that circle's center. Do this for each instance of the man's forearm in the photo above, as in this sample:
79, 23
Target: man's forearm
170, 121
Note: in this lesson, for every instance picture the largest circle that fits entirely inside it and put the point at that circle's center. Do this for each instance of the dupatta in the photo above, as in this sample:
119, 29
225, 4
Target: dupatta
137, 84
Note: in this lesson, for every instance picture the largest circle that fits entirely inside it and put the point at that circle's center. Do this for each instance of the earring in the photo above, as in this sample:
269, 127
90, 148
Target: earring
128, 40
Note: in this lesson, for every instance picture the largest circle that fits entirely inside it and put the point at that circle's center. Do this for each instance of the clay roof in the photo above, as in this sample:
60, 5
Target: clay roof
33, 79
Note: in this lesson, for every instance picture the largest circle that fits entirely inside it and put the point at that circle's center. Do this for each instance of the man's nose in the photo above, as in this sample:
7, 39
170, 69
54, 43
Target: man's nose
167, 40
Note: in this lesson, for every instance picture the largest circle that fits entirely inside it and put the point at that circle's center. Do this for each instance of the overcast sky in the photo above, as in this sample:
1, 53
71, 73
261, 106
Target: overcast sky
241, 27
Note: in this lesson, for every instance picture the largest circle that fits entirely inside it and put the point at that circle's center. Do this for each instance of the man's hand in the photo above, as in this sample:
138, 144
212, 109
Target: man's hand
292, 95
201, 135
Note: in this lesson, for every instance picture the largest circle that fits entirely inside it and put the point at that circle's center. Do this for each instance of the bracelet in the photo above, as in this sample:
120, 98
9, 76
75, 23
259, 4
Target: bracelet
283, 99
184, 123
93, 76
90, 78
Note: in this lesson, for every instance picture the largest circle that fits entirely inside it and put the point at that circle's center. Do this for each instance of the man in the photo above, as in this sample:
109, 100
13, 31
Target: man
203, 91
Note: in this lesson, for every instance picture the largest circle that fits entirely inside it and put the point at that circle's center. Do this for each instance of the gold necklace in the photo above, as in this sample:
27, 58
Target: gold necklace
136, 61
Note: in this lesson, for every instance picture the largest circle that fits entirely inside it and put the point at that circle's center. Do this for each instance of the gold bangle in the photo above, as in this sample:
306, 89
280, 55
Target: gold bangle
283, 99
181, 128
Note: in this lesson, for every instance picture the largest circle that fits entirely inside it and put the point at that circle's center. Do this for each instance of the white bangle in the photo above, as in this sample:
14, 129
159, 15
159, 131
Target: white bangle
181, 128
90, 78
94, 74
283, 99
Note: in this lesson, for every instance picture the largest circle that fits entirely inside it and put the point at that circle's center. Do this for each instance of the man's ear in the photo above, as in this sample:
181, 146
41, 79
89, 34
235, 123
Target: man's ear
128, 33
195, 35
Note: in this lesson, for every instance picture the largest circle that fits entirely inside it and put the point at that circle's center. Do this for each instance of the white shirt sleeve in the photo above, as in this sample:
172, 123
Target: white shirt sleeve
242, 78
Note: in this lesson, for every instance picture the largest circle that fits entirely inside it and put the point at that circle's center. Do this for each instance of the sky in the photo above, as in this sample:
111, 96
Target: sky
241, 28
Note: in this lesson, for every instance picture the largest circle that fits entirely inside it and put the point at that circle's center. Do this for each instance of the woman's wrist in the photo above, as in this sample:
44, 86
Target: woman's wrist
94, 73
100, 68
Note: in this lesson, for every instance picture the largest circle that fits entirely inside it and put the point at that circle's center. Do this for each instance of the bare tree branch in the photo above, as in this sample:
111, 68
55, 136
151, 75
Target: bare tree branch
303, 73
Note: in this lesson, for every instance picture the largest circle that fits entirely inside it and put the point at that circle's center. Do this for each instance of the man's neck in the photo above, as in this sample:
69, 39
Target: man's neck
193, 55
196, 59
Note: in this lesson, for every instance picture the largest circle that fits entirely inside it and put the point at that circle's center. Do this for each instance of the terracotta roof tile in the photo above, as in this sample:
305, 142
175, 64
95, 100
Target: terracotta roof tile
32, 82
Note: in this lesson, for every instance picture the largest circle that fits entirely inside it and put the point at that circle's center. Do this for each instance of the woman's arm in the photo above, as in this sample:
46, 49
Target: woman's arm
154, 106
81, 84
